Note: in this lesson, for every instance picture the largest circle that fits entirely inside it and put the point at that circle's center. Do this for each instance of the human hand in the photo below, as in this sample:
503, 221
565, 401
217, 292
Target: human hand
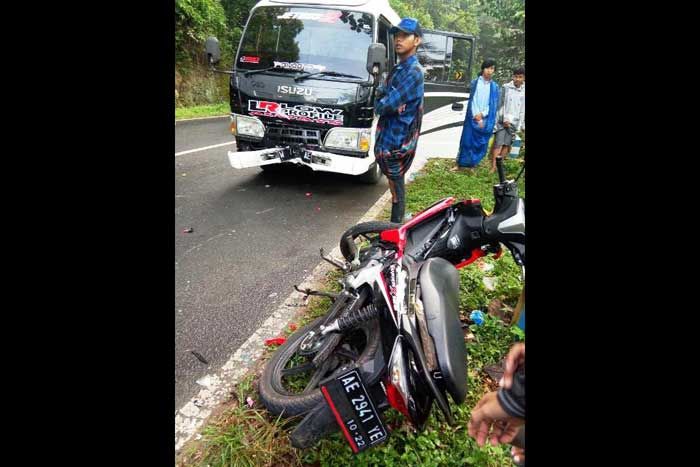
515, 358
489, 420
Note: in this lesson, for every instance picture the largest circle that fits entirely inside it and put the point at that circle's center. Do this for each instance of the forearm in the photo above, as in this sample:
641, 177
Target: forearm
513, 400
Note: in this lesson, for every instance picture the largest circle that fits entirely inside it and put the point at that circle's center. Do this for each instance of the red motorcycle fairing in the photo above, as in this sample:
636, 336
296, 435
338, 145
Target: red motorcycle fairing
399, 236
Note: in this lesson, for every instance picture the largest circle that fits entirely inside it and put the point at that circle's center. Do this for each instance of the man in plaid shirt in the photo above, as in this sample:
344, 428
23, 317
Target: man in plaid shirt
400, 109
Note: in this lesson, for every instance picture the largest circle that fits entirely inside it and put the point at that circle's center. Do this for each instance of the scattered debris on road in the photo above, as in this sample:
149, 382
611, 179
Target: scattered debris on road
199, 357
275, 341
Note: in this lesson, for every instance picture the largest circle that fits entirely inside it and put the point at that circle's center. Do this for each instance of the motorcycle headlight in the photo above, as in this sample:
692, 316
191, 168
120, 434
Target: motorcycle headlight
348, 139
247, 126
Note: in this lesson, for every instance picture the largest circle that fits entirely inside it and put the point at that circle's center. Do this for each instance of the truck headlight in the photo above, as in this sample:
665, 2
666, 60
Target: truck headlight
348, 139
247, 126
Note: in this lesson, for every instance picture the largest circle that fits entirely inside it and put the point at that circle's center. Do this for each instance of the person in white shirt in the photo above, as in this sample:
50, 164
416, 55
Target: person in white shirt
511, 116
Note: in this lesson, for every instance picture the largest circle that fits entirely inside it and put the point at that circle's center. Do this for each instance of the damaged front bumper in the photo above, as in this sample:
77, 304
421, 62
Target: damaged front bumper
316, 160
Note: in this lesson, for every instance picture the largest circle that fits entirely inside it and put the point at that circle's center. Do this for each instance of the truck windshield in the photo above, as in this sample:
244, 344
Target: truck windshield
307, 40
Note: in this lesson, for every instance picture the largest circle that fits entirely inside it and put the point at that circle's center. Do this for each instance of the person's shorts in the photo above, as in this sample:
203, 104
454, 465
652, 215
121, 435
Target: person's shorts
504, 138
394, 164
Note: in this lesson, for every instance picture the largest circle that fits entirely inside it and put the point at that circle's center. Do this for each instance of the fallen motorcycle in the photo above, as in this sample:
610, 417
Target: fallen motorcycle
392, 337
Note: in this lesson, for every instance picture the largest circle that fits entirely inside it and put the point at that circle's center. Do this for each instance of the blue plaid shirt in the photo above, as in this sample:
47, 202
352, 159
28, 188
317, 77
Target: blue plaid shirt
405, 87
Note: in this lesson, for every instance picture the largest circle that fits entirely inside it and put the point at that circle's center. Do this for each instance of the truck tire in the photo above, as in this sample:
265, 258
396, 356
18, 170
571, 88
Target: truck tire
372, 176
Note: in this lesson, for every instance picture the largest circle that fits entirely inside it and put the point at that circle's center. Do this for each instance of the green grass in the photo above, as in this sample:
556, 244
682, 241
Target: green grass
436, 182
212, 110
244, 436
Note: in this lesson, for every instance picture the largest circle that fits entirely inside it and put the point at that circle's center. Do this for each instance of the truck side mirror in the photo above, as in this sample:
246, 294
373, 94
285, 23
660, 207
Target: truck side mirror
376, 59
213, 50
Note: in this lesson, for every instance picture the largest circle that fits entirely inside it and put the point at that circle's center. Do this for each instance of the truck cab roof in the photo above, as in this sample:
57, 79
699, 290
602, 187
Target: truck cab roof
373, 7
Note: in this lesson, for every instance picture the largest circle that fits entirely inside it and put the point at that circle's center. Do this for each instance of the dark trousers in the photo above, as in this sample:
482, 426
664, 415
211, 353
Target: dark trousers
398, 209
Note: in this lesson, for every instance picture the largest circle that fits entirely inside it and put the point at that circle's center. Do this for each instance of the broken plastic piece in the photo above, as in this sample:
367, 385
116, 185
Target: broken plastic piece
477, 316
275, 341
489, 283
199, 357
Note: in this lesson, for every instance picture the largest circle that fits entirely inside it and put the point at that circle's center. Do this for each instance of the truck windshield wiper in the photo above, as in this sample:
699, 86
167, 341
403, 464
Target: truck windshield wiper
327, 73
261, 70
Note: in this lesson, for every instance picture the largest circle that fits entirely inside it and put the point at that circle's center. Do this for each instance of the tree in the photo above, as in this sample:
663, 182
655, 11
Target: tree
502, 26
194, 21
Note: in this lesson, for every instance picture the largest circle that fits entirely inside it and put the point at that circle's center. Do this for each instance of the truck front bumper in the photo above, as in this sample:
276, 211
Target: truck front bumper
317, 160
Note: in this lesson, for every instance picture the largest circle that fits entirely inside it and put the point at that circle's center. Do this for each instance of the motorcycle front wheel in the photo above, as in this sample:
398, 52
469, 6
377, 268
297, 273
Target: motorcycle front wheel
290, 381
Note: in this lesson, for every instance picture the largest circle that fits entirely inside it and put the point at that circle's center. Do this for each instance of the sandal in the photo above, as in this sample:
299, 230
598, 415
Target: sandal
518, 455
517, 451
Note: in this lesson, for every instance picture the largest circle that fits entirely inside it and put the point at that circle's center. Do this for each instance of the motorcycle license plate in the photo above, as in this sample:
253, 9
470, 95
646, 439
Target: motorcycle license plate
354, 411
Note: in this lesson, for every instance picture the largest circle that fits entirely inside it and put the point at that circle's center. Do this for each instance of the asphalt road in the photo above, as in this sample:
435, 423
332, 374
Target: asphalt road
254, 236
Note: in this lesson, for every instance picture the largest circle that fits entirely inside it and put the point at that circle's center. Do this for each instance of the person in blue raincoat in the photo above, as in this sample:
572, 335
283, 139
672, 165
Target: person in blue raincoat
481, 118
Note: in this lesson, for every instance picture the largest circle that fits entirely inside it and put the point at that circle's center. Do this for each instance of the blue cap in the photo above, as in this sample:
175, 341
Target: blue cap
409, 26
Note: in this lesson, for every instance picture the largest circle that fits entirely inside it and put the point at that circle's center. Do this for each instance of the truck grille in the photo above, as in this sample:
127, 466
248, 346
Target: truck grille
282, 135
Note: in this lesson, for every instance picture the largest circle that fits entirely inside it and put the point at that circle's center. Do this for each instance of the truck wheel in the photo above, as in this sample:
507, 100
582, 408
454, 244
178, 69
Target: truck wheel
372, 175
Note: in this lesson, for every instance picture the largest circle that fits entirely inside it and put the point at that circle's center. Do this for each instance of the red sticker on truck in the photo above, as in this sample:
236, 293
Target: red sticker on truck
302, 113
249, 59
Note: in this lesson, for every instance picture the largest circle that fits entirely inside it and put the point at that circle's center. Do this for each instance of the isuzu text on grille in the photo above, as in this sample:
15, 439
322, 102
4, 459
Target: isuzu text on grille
302, 113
